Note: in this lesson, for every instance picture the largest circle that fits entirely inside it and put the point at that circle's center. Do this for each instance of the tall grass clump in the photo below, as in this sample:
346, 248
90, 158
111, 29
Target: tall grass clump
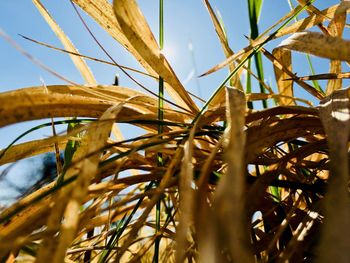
220, 183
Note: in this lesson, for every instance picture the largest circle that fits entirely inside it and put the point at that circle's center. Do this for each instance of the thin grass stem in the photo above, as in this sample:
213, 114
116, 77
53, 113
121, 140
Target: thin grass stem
160, 130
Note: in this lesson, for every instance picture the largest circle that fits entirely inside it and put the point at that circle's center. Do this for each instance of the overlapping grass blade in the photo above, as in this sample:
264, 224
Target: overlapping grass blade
229, 203
334, 113
137, 31
78, 61
285, 87
188, 187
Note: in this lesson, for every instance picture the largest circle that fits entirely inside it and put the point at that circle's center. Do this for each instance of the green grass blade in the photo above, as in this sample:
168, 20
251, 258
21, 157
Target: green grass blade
254, 8
71, 148
314, 81
160, 129
249, 86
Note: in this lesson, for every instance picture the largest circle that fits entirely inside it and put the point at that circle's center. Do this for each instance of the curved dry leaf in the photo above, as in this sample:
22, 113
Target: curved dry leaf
32, 148
102, 12
166, 180
337, 24
68, 198
218, 113
35, 103
24, 107
254, 43
25, 222
334, 84
186, 201
335, 239
134, 26
268, 134
318, 44
235, 81
95, 139
278, 65
336, 28
301, 25
205, 229
229, 203
280, 110
78, 61
285, 87
106, 92
312, 10
308, 22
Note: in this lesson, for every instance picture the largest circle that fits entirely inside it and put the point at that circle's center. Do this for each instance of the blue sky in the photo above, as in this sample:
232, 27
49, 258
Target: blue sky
185, 21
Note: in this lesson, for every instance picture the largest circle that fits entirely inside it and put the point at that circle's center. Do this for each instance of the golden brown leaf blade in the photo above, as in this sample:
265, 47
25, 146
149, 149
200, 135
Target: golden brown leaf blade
280, 66
229, 203
135, 28
312, 10
235, 81
285, 87
96, 139
78, 61
175, 161
31, 148
335, 240
318, 44
336, 28
69, 101
102, 12
301, 25
310, 21
186, 202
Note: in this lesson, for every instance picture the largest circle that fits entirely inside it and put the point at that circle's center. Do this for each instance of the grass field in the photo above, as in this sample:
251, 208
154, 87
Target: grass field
222, 181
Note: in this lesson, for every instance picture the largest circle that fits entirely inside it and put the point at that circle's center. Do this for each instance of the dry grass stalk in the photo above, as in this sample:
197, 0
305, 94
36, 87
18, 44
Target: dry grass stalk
259, 189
